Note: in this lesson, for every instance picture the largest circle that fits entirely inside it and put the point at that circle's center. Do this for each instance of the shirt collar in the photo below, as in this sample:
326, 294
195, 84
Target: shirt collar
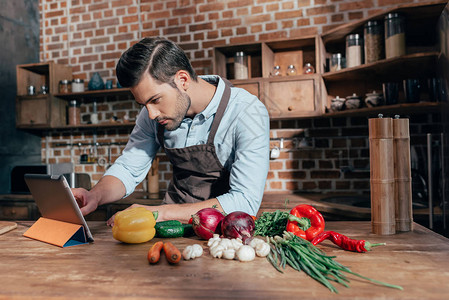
212, 107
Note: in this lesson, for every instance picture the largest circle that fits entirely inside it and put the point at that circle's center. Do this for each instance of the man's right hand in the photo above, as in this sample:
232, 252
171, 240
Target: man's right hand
107, 190
86, 200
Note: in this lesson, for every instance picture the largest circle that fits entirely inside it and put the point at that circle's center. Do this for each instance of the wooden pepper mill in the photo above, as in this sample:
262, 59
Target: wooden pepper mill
153, 179
382, 175
402, 174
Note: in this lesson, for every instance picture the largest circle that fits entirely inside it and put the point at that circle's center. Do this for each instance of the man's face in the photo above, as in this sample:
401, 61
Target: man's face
165, 104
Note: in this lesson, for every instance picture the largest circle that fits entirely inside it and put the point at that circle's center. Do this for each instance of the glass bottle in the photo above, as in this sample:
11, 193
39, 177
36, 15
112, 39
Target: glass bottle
276, 71
65, 86
353, 50
308, 69
74, 113
337, 62
77, 85
394, 35
94, 115
240, 65
373, 41
291, 70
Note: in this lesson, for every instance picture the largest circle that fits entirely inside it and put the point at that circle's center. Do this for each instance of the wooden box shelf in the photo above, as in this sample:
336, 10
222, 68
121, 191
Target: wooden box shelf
40, 74
284, 96
40, 110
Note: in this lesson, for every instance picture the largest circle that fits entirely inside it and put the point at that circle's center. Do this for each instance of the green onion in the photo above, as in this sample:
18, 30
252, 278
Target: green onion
303, 255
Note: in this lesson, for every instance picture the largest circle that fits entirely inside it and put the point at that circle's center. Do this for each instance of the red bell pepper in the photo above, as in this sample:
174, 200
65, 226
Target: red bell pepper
305, 221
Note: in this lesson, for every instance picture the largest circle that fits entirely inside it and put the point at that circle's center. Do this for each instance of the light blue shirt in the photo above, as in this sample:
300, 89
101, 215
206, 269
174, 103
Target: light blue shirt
242, 145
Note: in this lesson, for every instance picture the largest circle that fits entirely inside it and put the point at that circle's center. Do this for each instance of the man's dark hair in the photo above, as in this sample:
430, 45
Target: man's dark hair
163, 57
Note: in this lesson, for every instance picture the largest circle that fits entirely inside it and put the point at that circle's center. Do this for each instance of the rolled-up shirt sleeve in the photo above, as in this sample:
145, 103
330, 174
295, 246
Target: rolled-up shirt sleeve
136, 159
251, 161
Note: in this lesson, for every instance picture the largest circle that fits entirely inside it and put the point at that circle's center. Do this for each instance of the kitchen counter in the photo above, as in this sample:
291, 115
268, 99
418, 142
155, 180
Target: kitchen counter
418, 261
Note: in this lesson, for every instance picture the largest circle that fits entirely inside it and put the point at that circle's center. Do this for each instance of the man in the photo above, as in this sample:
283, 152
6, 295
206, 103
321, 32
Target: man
216, 137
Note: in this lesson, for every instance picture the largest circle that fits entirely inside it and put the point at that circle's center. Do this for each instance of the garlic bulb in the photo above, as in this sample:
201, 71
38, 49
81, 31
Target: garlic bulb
255, 241
192, 251
212, 240
262, 249
217, 251
229, 254
246, 253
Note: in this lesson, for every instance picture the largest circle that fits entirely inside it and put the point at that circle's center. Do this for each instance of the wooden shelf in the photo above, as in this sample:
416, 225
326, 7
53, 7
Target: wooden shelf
92, 94
427, 9
81, 126
32, 97
407, 66
389, 110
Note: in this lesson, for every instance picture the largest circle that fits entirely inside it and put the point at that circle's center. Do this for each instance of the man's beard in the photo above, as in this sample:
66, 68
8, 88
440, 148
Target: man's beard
181, 107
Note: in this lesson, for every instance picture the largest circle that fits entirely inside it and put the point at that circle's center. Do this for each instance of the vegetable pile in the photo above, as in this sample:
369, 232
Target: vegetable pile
291, 239
301, 230
302, 255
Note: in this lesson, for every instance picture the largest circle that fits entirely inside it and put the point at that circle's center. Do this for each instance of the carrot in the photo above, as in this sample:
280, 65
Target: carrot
155, 252
172, 253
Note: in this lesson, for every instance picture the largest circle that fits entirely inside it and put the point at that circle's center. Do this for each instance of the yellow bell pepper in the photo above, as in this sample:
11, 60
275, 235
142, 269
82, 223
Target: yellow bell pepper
134, 225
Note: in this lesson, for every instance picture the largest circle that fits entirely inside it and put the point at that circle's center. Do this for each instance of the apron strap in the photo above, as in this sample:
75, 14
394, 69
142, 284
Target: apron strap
220, 111
160, 134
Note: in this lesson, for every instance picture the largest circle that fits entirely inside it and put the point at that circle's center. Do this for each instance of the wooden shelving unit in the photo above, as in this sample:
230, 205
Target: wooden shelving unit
40, 110
286, 97
419, 62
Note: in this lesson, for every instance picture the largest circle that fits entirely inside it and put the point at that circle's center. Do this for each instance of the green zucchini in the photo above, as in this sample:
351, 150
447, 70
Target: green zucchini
169, 223
165, 231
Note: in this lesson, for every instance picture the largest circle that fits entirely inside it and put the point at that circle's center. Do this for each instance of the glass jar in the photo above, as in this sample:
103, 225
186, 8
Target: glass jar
373, 41
65, 86
308, 69
337, 62
74, 113
94, 115
77, 85
276, 71
44, 89
394, 35
291, 70
353, 50
31, 90
240, 65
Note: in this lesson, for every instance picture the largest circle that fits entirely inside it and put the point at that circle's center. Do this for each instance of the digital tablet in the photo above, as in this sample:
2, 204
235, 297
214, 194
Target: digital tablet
55, 200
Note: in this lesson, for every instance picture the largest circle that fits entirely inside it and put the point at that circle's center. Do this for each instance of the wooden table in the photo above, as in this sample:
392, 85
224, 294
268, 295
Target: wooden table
418, 261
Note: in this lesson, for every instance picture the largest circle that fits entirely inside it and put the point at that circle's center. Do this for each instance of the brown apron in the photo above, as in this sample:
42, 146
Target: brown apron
198, 174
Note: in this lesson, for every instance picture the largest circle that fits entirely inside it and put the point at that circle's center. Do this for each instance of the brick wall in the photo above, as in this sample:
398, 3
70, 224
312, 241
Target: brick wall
90, 35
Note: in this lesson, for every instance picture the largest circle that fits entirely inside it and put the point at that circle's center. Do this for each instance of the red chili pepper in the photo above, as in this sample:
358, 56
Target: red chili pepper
345, 242
305, 221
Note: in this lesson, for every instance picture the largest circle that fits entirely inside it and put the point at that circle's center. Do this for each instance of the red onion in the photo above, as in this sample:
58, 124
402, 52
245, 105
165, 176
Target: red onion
206, 222
238, 224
